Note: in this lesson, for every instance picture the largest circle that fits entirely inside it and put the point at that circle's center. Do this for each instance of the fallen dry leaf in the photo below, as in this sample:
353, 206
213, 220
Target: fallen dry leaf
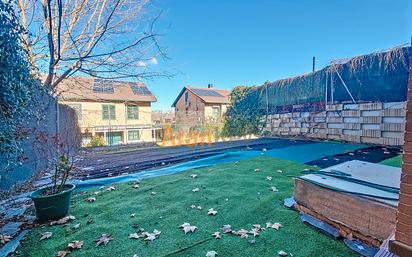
90, 199
194, 206
195, 189
216, 235
211, 211
211, 254
134, 236
254, 232
5, 239
282, 253
152, 236
274, 225
258, 227
187, 228
227, 229
103, 239
74, 245
274, 189
243, 233
46, 235
63, 220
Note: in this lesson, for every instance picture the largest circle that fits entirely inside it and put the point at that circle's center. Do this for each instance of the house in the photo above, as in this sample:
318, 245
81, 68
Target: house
160, 118
196, 106
118, 111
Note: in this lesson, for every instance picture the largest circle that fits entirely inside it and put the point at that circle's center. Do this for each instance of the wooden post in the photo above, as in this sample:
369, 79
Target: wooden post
402, 245
313, 64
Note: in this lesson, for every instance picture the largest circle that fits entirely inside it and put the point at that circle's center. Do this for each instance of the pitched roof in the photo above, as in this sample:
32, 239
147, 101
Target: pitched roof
208, 95
92, 89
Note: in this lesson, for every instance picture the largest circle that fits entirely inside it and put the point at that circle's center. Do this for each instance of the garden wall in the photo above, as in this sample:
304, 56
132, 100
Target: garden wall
40, 140
371, 123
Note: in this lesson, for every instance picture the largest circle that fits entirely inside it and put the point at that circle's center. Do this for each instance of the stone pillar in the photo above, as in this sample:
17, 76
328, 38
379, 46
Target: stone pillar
402, 245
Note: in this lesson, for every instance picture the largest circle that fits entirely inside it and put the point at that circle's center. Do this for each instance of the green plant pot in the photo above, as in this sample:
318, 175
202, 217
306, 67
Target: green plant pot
52, 207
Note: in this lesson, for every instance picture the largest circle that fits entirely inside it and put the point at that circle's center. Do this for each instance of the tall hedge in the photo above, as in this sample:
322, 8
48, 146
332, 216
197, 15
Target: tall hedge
16, 86
245, 114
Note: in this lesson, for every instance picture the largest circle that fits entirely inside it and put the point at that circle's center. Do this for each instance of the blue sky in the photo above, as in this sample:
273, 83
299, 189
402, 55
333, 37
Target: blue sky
239, 42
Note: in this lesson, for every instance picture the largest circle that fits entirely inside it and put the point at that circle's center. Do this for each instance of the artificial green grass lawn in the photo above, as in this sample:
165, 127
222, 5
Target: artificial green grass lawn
240, 194
394, 161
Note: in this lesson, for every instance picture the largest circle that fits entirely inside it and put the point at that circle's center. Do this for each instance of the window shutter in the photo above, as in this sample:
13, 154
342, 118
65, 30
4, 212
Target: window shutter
112, 112
105, 112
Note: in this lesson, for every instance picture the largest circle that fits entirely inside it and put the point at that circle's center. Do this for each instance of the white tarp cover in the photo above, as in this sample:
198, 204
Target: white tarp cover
371, 173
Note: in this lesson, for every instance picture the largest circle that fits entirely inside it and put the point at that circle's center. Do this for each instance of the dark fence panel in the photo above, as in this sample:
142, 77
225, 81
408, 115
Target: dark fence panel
376, 77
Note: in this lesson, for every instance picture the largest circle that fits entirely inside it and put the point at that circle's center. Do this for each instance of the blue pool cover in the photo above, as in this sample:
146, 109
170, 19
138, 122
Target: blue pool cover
298, 153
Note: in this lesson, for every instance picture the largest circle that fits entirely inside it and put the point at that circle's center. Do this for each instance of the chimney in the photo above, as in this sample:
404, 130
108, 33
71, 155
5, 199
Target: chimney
210, 86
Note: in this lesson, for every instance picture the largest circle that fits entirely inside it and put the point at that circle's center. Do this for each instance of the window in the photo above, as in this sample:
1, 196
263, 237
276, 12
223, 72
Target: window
133, 135
216, 112
108, 112
78, 109
187, 98
132, 112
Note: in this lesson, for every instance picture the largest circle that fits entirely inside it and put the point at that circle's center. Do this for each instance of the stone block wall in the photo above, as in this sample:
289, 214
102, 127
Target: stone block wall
370, 123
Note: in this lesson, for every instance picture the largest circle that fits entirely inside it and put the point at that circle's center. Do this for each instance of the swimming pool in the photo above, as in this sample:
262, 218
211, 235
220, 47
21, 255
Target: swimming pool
301, 153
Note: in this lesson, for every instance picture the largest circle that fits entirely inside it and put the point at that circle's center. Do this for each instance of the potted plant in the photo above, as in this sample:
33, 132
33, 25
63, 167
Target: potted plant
53, 202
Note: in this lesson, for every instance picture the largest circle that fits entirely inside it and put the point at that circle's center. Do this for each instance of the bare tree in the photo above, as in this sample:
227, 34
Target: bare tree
110, 39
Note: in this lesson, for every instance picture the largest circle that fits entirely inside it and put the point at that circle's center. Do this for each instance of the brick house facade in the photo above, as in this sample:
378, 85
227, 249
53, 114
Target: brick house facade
200, 106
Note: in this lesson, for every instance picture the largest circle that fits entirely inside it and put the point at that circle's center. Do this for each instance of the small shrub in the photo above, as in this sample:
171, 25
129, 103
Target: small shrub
97, 141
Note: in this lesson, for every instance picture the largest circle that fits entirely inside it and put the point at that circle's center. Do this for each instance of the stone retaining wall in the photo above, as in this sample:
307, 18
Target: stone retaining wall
371, 123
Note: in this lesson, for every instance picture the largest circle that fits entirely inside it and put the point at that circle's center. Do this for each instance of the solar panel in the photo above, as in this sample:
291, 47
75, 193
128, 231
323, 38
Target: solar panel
204, 92
140, 90
103, 86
